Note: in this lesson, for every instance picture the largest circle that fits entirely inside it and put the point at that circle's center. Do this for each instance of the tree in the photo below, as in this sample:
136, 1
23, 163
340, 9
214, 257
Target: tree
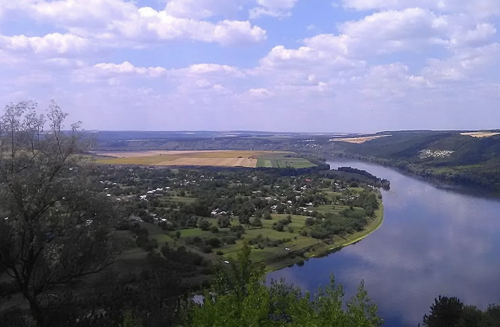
244, 219
204, 224
257, 222
54, 226
445, 312
239, 297
223, 222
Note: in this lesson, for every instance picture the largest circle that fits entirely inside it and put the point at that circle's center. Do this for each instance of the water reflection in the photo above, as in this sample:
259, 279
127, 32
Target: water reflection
433, 241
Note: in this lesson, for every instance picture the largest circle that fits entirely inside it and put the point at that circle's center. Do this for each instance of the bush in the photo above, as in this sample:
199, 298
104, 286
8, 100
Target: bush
206, 248
214, 229
152, 244
214, 242
204, 224
309, 221
230, 240
278, 226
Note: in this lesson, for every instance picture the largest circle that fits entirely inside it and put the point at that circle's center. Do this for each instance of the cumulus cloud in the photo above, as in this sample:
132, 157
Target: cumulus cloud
390, 65
118, 23
49, 45
478, 8
201, 9
274, 8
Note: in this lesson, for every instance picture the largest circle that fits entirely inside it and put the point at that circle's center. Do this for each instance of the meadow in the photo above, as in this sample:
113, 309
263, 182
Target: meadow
220, 158
357, 140
282, 160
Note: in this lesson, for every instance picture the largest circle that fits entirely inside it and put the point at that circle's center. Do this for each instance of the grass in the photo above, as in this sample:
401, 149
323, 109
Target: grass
280, 160
265, 163
279, 257
192, 232
180, 199
266, 159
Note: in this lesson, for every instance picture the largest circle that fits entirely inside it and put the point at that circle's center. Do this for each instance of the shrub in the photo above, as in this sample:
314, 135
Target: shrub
204, 224
214, 242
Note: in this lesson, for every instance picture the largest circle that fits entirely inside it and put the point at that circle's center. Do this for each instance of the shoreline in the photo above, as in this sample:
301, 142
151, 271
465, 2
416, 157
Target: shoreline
430, 175
325, 250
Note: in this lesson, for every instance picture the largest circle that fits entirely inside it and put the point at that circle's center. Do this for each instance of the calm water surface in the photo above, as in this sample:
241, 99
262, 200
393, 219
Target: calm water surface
433, 241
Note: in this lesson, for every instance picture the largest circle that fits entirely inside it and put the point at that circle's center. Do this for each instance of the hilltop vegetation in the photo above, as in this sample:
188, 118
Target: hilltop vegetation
287, 215
448, 156
466, 158
83, 245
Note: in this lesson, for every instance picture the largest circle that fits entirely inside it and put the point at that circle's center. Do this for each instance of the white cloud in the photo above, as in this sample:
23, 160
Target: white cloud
127, 68
465, 64
477, 8
49, 45
201, 9
389, 31
118, 23
274, 8
389, 67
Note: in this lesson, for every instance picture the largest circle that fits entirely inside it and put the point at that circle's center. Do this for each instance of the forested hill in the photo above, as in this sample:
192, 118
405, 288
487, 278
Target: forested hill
451, 155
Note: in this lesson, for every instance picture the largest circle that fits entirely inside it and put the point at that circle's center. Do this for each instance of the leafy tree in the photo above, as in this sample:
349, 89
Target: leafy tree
280, 208
445, 312
267, 215
257, 222
470, 317
239, 297
244, 219
54, 226
223, 222
451, 312
204, 224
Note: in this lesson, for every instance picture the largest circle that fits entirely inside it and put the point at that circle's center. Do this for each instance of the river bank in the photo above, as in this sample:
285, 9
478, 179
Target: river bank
433, 241
462, 179
340, 242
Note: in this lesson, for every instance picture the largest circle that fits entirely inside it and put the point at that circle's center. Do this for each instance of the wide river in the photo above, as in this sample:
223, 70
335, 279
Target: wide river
433, 241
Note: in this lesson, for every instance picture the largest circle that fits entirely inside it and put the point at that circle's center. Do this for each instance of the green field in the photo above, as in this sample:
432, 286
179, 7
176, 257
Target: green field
284, 254
283, 161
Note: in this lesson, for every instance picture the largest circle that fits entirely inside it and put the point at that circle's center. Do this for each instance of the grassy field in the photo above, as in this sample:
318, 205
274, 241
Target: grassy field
251, 159
480, 134
284, 254
279, 160
357, 140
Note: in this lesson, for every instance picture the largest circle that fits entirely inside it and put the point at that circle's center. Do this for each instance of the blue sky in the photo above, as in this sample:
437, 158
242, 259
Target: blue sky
276, 65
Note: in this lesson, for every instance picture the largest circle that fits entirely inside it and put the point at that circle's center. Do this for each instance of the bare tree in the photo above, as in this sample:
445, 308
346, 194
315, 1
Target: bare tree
54, 224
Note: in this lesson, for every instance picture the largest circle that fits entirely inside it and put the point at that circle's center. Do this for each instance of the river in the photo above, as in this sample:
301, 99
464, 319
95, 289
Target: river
433, 241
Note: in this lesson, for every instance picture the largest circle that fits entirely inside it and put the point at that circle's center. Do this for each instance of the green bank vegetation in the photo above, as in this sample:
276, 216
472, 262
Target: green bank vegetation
449, 156
287, 216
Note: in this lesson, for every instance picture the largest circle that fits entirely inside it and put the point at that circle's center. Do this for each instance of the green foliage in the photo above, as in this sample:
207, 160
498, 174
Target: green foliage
450, 311
239, 297
445, 312
204, 224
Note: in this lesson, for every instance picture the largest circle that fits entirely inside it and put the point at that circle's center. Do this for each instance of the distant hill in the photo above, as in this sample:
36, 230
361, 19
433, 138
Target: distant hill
471, 158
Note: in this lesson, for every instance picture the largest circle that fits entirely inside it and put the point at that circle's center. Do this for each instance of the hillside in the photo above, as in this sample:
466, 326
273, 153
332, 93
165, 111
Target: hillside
454, 156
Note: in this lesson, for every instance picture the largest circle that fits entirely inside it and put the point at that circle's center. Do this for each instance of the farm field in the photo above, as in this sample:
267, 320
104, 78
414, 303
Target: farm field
480, 134
220, 158
280, 160
358, 140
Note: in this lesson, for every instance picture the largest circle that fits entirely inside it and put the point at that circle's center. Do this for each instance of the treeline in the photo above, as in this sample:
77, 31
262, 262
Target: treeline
470, 161
450, 311
353, 219
239, 297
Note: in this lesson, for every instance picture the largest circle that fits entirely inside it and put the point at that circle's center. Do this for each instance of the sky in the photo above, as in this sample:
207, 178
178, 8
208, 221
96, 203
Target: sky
266, 65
